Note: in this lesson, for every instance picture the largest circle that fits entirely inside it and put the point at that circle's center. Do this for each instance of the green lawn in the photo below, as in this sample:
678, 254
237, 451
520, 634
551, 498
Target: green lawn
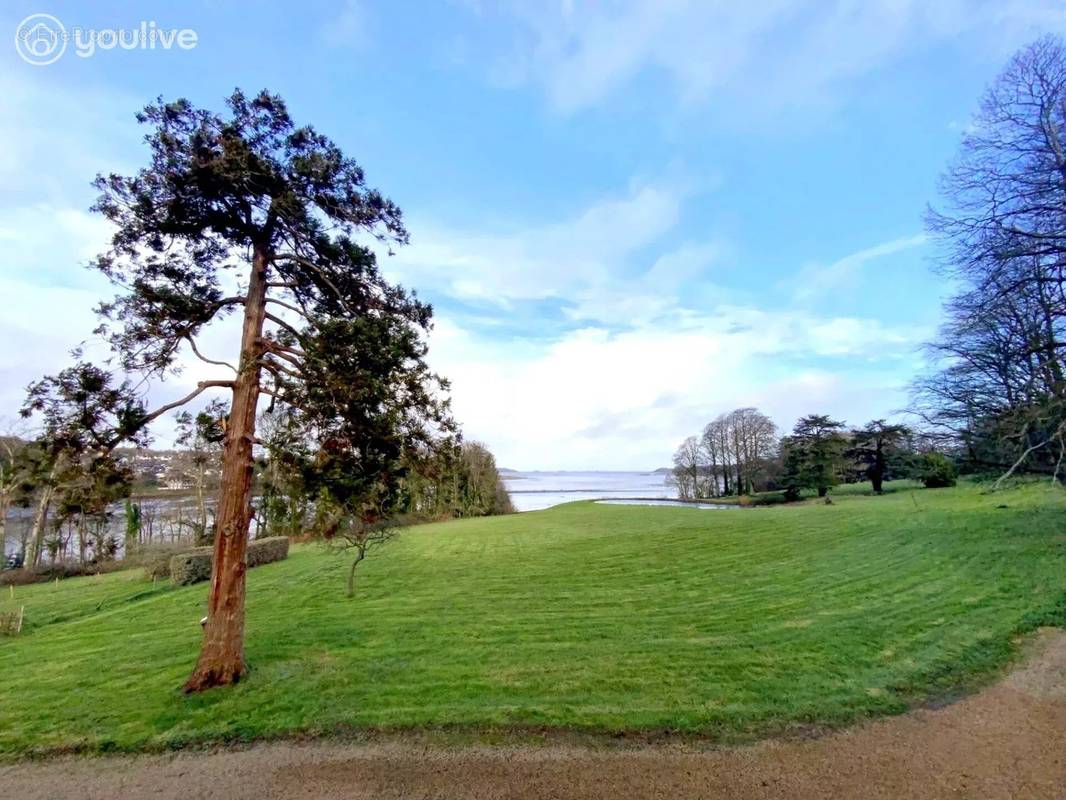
730, 624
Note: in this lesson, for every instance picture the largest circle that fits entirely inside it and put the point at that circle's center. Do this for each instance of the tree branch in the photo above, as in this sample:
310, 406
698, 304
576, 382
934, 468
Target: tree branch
311, 265
205, 359
283, 324
273, 365
301, 312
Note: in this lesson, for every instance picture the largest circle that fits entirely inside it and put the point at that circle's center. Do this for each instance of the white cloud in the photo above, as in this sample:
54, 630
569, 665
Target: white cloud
596, 399
652, 351
547, 261
816, 280
348, 28
773, 52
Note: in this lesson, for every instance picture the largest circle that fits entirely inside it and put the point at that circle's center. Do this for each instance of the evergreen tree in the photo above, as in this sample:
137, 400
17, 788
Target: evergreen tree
813, 455
249, 199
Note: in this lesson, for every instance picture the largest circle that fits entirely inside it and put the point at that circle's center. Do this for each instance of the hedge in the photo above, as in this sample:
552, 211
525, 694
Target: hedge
195, 565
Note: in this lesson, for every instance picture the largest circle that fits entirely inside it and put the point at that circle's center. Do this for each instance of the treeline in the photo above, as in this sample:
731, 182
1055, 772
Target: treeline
77, 510
994, 396
741, 452
996, 388
300, 497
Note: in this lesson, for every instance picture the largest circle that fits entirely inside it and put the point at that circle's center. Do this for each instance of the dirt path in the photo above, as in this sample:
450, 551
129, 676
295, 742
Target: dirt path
1006, 742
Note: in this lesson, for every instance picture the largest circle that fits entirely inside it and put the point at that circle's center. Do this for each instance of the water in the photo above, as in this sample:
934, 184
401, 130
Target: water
531, 491
163, 519
675, 503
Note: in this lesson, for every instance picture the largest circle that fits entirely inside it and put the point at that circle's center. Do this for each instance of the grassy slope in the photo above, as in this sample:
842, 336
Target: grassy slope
730, 623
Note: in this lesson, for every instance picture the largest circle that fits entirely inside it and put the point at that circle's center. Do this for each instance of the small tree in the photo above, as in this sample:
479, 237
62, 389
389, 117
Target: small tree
687, 468
813, 455
201, 437
84, 414
14, 478
87, 488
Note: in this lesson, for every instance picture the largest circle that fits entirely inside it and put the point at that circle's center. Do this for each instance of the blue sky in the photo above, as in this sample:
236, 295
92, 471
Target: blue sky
629, 216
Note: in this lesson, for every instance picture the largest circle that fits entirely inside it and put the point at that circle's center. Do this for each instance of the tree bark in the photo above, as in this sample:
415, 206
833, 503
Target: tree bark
351, 573
40, 519
5, 507
222, 652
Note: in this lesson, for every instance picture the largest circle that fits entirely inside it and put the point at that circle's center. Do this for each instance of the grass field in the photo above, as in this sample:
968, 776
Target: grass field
730, 624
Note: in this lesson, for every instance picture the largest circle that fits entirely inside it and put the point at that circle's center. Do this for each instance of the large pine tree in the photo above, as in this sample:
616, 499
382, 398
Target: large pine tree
248, 199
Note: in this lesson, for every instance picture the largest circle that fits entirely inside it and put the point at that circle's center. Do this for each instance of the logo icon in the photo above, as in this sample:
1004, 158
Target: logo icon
40, 39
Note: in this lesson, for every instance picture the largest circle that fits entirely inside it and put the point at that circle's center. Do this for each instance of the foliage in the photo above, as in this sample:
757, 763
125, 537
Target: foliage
193, 566
267, 550
324, 334
154, 557
59, 570
936, 471
15, 480
813, 455
881, 449
511, 621
84, 413
735, 454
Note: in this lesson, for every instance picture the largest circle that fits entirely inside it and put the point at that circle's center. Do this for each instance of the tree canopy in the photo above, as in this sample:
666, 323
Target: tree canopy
247, 212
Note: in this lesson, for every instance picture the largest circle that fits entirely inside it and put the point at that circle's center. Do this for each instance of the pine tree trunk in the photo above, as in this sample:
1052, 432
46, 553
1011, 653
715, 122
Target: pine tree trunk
222, 652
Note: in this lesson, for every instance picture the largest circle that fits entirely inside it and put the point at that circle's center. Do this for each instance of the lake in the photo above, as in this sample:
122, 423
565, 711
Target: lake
531, 491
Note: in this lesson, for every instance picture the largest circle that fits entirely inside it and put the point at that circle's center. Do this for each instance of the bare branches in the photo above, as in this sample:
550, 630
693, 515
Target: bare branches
1057, 435
202, 357
285, 326
999, 381
322, 275
291, 354
288, 306
201, 387
281, 369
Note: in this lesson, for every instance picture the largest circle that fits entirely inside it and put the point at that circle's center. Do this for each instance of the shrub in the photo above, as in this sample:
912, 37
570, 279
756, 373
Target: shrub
264, 551
194, 565
61, 569
155, 557
936, 471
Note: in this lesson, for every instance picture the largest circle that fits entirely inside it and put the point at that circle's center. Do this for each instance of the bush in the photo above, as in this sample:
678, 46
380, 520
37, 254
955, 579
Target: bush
62, 569
155, 557
936, 471
194, 565
264, 551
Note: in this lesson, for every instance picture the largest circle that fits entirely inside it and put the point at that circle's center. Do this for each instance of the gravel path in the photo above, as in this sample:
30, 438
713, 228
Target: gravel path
1009, 741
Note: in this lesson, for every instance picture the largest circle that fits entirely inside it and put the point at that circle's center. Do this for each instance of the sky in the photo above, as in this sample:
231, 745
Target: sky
629, 217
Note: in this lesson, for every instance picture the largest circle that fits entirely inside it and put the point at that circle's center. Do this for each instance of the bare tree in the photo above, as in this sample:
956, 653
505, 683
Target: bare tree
737, 446
998, 378
687, 461
14, 475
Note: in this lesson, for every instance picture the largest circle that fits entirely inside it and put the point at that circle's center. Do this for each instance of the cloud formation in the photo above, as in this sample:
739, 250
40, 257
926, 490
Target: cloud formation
771, 53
